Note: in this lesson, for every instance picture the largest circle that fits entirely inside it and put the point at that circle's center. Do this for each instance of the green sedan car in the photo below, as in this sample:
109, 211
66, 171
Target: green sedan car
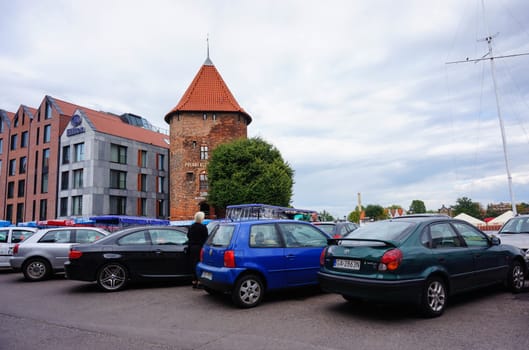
418, 259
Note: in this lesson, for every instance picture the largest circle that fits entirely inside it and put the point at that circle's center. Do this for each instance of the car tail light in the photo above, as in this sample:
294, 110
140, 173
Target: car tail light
229, 258
15, 249
201, 254
322, 256
391, 260
74, 254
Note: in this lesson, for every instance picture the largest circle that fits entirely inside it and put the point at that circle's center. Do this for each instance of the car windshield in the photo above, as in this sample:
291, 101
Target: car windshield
384, 230
222, 236
327, 228
516, 225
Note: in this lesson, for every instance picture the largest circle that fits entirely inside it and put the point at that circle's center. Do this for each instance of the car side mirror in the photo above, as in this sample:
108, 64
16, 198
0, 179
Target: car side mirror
495, 240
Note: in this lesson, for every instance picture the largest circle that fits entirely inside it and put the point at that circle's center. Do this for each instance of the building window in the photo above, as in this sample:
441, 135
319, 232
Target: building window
66, 155
43, 209
142, 182
160, 208
118, 179
14, 140
194, 144
1, 125
45, 160
12, 167
44, 183
190, 176
24, 140
9, 212
203, 179
160, 159
142, 207
65, 180
1, 146
16, 121
78, 149
0, 166
142, 159
159, 184
78, 178
20, 212
77, 205
10, 189
48, 110
64, 206
22, 166
203, 152
47, 134
214, 116
21, 188
118, 205
38, 135
118, 154
204, 116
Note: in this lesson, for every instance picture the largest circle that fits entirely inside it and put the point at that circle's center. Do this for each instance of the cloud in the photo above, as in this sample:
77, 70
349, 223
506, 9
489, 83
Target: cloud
357, 96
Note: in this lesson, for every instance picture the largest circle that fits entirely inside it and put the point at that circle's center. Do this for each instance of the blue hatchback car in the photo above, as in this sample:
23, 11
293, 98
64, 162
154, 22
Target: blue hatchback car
247, 258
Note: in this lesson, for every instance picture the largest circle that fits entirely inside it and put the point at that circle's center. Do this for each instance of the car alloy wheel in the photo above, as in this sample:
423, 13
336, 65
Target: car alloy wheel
248, 291
434, 297
112, 277
36, 270
516, 277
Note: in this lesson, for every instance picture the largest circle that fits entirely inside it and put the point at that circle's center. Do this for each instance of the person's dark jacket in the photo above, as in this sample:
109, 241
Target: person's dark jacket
197, 234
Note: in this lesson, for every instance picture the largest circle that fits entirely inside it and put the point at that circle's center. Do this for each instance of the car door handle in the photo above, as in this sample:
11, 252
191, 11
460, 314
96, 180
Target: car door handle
158, 251
441, 259
290, 256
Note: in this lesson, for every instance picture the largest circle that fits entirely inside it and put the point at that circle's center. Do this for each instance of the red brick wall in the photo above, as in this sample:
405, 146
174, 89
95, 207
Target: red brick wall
188, 132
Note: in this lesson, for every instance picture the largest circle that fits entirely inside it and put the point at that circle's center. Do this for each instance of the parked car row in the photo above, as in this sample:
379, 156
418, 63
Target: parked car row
421, 260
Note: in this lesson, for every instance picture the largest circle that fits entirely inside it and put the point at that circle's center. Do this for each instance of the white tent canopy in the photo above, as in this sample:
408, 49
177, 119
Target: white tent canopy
470, 219
500, 220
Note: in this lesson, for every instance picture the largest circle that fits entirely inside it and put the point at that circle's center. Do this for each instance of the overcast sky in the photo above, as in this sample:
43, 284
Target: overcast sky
356, 95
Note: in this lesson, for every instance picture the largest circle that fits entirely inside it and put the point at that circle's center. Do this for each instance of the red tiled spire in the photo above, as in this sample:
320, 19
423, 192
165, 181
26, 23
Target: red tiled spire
208, 92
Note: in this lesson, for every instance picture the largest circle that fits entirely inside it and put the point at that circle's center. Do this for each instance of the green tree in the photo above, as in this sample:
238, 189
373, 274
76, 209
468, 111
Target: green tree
354, 216
417, 207
375, 212
465, 205
249, 171
325, 216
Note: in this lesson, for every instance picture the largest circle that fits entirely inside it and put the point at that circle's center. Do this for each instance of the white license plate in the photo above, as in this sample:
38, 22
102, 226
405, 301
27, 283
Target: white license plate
347, 264
207, 275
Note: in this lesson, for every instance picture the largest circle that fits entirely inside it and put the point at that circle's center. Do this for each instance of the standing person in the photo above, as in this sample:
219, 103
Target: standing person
196, 236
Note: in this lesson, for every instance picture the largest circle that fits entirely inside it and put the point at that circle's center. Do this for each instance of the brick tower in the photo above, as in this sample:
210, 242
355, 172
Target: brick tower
206, 116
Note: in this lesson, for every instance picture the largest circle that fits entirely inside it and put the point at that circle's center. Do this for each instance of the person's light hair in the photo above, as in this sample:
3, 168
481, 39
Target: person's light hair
199, 216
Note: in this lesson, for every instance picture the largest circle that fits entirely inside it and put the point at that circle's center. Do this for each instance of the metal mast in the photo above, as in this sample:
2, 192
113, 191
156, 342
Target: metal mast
489, 56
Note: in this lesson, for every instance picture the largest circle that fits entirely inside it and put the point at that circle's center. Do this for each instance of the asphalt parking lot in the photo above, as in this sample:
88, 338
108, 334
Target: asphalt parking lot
61, 314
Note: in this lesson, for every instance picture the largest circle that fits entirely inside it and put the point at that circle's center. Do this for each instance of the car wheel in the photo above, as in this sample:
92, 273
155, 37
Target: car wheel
434, 297
516, 277
37, 269
112, 277
248, 291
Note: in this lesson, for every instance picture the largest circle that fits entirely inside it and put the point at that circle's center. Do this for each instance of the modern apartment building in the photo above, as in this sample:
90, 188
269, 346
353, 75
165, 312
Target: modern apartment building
63, 160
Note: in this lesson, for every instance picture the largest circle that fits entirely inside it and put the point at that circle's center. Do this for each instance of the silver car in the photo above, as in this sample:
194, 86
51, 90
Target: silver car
46, 251
9, 236
516, 232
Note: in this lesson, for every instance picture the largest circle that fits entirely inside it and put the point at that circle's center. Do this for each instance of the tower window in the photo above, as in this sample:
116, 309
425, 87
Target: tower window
203, 152
205, 116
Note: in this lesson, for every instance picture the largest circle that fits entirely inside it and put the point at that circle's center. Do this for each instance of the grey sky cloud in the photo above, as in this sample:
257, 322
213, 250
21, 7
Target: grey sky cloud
357, 96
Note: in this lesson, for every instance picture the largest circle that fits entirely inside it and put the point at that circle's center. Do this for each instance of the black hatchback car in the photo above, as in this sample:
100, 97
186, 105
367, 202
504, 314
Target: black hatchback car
421, 260
133, 254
